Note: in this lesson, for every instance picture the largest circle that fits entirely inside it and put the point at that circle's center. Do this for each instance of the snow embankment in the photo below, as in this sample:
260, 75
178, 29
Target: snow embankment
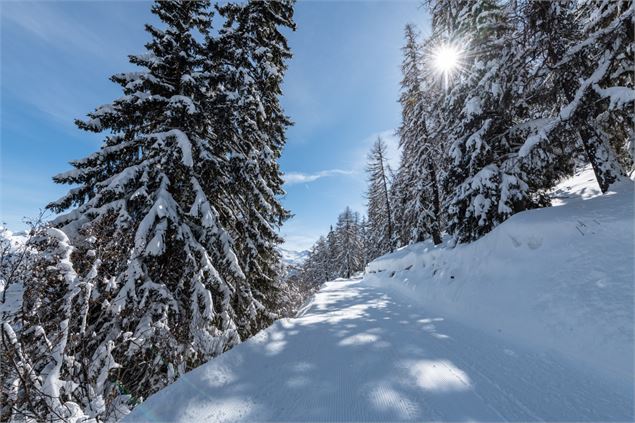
558, 278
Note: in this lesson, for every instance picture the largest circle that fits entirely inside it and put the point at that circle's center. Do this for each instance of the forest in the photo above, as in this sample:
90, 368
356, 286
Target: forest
499, 103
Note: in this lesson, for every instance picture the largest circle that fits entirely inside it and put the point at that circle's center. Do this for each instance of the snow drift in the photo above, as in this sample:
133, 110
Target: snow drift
559, 278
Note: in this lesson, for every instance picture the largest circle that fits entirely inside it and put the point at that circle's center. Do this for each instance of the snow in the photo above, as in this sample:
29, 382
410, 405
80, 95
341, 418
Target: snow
597, 75
183, 101
359, 354
182, 141
473, 106
619, 96
559, 278
532, 322
541, 128
582, 186
12, 246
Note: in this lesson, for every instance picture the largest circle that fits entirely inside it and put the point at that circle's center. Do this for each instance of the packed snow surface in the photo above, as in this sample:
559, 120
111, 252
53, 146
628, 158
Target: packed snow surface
532, 322
556, 278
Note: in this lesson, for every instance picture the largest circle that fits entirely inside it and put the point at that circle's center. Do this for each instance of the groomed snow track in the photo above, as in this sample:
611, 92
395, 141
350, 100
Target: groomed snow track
357, 354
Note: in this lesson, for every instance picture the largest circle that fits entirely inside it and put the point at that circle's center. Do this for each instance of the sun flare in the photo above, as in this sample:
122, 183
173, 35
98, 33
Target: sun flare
446, 58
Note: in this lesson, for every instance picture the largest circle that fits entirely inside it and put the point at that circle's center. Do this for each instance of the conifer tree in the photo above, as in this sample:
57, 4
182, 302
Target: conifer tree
365, 242
601, 108
251, 54
348, 244
359, 242
380, 218
483, 188
402, 191
418, 196
341, 253
332, 251
398, 199
315, 268
544, 29
159, 203
588, 60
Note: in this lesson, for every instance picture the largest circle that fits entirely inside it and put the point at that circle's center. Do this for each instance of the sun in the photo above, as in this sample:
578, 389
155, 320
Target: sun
445, 60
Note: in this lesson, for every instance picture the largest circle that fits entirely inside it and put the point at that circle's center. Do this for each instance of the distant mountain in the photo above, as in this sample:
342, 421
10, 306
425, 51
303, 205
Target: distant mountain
293, 258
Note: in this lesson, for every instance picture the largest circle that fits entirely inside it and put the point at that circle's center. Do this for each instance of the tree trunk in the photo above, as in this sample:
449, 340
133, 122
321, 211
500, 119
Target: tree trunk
602, 158
435, 230
387, 198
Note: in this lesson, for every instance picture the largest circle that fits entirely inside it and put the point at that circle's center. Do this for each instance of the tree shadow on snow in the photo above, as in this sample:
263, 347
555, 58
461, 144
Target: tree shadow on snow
357, 355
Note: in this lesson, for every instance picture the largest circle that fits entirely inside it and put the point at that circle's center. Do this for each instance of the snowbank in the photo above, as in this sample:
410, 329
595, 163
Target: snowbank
559, 278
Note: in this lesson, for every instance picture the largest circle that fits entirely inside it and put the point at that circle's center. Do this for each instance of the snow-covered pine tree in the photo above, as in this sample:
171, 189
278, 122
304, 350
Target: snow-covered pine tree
418, 193
589, 61
398, 200
322, 257
365, 242
602, 105
483, 188
341, 253
154, 199
402, 186
332, 252
521, 94
315, 268
348, 244
544, 30
380, 219
251, 54
359, 244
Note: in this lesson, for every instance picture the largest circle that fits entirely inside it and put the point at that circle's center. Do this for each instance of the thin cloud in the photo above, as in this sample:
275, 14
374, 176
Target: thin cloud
292, 178
66, 50
59, 28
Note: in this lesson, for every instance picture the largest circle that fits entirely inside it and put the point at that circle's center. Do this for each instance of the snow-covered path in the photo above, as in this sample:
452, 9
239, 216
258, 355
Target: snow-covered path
358, 354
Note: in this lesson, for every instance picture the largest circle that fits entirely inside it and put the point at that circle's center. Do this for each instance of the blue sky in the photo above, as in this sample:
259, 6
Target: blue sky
341, 91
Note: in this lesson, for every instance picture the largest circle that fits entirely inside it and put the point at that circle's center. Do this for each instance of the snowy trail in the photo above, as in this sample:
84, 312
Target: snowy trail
358, 354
